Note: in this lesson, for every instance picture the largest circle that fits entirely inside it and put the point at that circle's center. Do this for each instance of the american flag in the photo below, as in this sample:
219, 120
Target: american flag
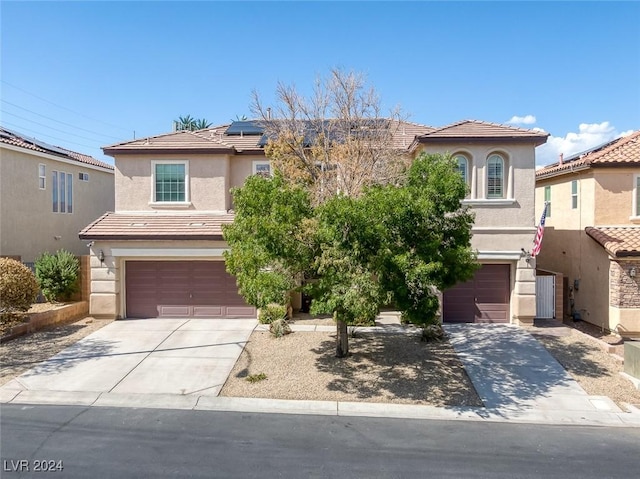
537, 242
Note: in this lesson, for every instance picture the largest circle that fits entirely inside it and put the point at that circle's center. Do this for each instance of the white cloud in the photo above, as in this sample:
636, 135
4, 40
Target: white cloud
589, 136
522, 120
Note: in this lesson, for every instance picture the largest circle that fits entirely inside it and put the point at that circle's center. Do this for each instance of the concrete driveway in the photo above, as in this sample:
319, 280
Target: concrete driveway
187, 357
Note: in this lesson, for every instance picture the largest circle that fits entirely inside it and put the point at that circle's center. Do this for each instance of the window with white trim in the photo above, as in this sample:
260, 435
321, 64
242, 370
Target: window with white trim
574, 194
262, 168
170, 181
61, 192
42, 176
495, 177
83, 176
547, 199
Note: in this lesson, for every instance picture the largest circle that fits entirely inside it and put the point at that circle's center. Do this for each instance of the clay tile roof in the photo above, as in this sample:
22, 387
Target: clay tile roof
476, 129
10, 137
215, 139
623, 151
619, 241
121, 226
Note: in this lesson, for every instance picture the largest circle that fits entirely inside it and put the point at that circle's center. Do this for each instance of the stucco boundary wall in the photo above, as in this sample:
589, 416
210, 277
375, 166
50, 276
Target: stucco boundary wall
38, 321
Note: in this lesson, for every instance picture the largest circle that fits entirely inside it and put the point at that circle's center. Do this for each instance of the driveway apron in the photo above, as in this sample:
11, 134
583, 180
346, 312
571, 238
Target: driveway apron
511, 371
148, 356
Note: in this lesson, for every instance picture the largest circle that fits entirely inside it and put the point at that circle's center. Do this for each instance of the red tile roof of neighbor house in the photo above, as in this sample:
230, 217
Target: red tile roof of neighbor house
10, 137
114, 226
623, 151
619, 241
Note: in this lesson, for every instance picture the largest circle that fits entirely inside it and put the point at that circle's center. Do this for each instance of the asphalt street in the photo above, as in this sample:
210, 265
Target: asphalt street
96, 442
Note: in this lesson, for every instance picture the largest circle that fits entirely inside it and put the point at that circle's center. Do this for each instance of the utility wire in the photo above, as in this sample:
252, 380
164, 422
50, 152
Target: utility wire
57, 121
47, 126
39, 134
64, 107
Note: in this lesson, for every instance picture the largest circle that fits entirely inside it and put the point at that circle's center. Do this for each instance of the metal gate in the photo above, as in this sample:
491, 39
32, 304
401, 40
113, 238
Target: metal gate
545, 297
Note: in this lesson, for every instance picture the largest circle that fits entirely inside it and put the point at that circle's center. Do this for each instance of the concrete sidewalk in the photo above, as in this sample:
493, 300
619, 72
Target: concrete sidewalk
183, 364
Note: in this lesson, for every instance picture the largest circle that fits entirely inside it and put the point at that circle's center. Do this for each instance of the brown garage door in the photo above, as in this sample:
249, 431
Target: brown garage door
183, 289
483, 299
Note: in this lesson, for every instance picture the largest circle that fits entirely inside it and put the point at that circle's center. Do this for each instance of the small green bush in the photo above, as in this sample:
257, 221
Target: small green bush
18, 286
254, 378
279, 328
57, 275
272, 312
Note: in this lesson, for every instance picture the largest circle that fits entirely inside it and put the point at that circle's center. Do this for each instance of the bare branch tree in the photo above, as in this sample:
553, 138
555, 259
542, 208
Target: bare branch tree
336, 141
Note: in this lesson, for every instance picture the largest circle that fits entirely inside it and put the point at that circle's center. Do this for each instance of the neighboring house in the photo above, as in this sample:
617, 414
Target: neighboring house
592, 233
160, 252
47, 195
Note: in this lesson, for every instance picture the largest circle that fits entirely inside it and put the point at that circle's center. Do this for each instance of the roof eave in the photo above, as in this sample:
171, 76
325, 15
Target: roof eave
541, 174
167, 150
536, 140
156, 237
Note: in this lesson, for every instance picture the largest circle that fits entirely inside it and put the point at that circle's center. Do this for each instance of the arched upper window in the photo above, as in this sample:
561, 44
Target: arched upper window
495, 177
463, 167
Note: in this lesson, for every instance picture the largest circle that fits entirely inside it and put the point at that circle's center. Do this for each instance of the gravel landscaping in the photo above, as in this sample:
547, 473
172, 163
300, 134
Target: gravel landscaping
391, 368
597, 371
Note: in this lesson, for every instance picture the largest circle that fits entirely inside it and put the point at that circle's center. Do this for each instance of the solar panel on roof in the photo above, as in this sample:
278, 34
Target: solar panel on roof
244, 128
36, 142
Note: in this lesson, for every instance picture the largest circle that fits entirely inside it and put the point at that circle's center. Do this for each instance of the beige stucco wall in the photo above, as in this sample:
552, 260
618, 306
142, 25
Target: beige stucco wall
28, 225
108, 277
604, 198
208, 183
614, 195
519, 169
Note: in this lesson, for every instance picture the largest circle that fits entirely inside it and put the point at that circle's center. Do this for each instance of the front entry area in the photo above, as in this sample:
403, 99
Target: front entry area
182, 289
483, 299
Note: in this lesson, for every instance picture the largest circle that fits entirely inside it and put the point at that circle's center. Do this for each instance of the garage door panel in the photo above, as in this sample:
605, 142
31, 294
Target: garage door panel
484, 299
200, 289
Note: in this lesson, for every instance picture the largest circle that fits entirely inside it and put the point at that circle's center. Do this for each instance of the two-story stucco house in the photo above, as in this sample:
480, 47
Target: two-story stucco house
47, 195
160, 252
592, 232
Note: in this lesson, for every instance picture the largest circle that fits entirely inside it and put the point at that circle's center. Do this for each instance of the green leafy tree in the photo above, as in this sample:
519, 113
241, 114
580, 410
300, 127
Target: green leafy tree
425, 236
57, 275
346, 285
269, 239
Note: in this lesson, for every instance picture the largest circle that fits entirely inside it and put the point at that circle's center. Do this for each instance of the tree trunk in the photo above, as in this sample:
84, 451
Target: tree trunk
342, 339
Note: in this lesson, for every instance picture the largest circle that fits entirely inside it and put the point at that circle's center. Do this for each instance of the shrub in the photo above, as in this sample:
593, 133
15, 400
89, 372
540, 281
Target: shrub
18, 286
432, 332
279, 328
272, 312
57, 275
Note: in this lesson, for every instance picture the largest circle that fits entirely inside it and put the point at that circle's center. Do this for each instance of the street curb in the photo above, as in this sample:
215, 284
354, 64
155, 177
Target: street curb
329, 408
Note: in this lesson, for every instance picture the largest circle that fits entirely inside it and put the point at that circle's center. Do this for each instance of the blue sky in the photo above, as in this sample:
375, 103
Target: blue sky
86, 74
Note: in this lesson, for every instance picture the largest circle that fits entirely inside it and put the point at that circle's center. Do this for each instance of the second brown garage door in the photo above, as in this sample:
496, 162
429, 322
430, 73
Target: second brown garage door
483, 299
183, 289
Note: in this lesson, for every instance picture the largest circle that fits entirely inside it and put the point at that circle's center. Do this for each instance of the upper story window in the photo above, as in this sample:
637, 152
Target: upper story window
636, 195
83, 176
495, 177
42, 176
170, 181
574, 194
463, 167
547, 199
62, 192
262, 168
